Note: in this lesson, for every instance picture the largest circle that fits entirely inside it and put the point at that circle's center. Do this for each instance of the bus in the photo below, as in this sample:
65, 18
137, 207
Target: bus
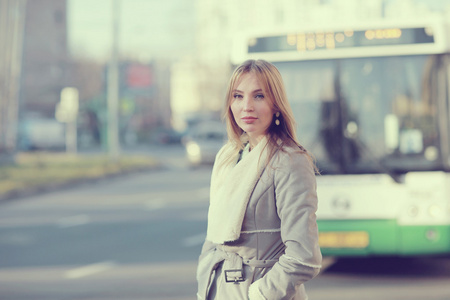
372, 105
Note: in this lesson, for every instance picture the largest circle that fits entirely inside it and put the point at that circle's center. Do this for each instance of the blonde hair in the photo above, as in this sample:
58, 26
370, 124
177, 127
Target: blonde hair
272, 83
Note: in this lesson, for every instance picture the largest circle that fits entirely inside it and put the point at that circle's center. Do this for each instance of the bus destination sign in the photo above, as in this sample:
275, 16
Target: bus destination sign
310, 41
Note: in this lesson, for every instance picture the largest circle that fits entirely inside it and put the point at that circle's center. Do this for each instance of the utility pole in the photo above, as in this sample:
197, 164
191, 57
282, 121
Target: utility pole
113, 87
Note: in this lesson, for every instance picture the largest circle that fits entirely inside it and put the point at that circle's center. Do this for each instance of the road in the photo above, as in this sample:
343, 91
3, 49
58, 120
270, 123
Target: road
139, 236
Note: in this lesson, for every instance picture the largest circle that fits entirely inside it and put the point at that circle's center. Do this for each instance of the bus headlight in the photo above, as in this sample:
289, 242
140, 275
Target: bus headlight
435, 211
424, 213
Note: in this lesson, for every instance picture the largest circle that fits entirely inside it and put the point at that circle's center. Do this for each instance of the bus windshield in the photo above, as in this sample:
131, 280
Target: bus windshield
366, 115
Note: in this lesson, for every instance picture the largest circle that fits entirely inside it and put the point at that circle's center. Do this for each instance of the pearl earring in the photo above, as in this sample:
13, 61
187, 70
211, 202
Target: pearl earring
277, 122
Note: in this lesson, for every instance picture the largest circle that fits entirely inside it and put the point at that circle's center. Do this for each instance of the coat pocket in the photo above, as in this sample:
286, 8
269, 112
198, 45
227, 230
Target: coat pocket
207, 264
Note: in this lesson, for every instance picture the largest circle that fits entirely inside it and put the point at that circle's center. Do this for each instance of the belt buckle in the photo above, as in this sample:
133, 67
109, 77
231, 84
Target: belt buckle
234, 276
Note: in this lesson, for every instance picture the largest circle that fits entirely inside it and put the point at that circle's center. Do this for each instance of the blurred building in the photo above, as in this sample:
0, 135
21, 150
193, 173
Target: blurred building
144, 100
148, 42
12, 18
143, 103
45, 60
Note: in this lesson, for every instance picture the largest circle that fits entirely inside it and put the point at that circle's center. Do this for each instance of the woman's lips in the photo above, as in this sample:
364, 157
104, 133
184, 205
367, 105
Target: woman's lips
249, 120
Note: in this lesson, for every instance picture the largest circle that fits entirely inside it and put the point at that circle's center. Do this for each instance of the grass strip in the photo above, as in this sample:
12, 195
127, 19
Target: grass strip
44, 169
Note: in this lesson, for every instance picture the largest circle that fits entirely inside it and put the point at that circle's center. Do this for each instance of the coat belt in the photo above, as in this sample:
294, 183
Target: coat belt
256, 263
232, 267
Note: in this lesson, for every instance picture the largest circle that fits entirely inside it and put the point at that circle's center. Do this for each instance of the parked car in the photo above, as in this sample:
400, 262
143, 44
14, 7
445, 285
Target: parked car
204, 141
38, 133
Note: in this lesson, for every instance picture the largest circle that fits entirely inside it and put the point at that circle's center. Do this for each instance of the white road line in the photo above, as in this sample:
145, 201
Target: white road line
196, 216
203, 192
194, 240
89, 270
155, 204
73, 221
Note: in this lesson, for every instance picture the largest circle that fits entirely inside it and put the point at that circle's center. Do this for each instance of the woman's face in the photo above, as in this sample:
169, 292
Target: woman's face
251, 108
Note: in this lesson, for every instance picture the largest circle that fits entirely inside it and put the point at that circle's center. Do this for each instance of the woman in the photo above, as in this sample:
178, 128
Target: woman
262, 237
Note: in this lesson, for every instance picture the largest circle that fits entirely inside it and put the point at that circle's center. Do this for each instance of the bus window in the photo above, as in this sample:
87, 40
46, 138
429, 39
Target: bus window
310, 87
375, 88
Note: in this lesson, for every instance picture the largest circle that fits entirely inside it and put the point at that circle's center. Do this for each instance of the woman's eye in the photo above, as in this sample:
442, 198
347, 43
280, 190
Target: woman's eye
237, 96
259, 96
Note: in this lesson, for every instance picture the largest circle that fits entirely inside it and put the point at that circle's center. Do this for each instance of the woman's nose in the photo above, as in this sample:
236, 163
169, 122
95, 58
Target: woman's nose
248, 104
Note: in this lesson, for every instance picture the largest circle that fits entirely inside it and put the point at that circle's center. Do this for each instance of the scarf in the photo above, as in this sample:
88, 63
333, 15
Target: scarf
232, 184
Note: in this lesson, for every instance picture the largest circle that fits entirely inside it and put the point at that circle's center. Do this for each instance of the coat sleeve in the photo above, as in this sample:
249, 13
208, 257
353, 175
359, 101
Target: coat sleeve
296, 200
207, 245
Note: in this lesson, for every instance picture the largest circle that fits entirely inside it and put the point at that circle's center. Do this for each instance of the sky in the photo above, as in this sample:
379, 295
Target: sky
149, 29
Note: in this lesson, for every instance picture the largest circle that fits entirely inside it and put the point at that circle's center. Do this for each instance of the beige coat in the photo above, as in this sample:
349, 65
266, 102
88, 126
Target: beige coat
277, 248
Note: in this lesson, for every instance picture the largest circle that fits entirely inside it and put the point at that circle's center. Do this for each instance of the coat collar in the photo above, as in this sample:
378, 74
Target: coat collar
232, 184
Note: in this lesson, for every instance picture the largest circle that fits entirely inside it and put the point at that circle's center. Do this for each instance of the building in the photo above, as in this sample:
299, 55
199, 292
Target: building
45, 57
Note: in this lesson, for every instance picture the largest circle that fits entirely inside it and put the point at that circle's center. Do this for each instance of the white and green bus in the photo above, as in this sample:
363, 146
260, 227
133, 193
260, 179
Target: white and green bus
372, 105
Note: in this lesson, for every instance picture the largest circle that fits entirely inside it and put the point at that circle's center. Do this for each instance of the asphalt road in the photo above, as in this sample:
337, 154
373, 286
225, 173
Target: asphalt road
138, 237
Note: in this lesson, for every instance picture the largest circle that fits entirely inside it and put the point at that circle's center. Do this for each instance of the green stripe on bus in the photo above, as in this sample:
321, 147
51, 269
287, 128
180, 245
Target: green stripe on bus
386, 237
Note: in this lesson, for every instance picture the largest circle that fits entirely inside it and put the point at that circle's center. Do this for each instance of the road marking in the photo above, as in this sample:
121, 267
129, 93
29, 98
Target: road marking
194, 240
196, 216
203, 193
17, 239
155, 204
73, 221
89, 270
